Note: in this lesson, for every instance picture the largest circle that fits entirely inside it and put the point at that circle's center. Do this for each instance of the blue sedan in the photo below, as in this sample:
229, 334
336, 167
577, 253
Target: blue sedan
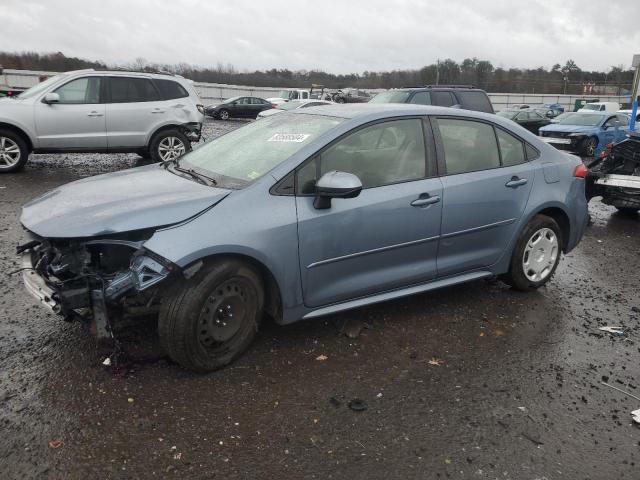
304, 214
584, 133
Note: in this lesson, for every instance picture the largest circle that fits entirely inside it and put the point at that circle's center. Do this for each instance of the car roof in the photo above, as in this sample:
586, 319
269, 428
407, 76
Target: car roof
375, 111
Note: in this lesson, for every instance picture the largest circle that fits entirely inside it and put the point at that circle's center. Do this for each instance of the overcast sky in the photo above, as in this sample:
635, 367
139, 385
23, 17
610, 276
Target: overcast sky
335, 36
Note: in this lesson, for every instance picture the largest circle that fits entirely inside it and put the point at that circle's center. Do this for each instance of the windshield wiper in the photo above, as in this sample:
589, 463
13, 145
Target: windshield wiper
199, 177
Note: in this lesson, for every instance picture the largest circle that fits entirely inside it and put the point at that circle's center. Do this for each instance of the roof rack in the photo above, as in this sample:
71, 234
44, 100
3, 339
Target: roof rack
449, 86
131, 70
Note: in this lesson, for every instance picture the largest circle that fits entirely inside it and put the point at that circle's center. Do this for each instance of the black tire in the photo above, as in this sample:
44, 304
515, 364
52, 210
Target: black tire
517, 277
340, 100
197, 326
224, 114
628, 210
588, 147
10, 140
157, 143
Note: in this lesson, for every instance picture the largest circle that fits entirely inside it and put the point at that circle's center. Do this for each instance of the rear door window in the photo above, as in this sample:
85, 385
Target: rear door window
511, 149
132, 90
468, 145
475, 100
443, 99
170, 89
421, 98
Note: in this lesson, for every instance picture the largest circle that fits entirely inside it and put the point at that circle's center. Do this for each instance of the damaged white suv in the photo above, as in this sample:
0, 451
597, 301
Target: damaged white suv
152, 114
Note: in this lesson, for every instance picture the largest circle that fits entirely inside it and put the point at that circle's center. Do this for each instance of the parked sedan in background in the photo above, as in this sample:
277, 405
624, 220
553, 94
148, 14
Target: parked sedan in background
528, 118
299, 215
240, 107
583, 132
293, 105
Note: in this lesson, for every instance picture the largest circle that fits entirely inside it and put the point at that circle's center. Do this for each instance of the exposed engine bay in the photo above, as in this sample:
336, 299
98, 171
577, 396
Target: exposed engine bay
615, 176
101, 281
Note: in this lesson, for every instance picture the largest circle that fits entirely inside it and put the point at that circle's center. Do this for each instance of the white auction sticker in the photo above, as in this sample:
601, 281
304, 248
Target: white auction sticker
289, 137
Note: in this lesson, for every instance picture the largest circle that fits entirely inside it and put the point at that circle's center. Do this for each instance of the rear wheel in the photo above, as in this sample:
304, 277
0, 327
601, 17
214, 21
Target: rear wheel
14, 151
168, 145
536, 254
209, 320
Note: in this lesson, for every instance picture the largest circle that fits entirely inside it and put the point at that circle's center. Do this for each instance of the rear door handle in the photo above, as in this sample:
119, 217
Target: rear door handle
516, 182
425, 200
157, 110
95, 114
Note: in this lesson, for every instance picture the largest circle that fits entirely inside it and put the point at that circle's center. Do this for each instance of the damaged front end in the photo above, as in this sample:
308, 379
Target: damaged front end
105, 282
615, 176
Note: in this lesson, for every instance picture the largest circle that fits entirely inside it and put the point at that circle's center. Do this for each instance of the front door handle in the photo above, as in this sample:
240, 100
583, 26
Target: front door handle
95, 114
516, 182
424, 200
157, 110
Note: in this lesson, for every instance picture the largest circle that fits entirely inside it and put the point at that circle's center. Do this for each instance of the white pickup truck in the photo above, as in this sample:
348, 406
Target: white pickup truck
315, 93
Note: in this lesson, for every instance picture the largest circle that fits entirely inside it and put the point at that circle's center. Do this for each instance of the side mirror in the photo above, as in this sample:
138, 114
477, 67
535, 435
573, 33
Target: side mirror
336, 185
50, 98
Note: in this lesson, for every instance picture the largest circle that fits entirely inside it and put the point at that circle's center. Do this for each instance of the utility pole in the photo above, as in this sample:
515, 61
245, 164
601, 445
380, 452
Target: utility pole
438, 72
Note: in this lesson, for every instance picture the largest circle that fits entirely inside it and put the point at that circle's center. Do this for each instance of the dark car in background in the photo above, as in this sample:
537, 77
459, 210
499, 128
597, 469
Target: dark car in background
528, 118
350, 95
238, 107
460, 96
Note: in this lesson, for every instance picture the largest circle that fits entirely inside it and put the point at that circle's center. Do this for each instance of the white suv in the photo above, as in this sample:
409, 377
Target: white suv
154, 115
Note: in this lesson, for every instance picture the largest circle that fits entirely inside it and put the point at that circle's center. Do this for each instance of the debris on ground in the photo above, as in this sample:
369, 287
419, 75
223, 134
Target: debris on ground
357, 405
636, 415
621, 391
55, 443
335, 402
321, 358
616, 331
352, 327
436, 361
107, 362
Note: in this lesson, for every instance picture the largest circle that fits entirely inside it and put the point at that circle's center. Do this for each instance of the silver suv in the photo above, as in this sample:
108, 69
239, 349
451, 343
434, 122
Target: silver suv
154, 115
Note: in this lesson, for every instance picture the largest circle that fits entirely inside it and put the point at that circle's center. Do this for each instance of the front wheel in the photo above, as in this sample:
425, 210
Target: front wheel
589, 146
168, 145
13, 151
536, 254
208, 321
224, 114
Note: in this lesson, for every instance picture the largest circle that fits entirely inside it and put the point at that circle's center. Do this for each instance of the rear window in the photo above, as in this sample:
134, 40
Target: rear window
131, 90
475, 100
170, 89
443, 99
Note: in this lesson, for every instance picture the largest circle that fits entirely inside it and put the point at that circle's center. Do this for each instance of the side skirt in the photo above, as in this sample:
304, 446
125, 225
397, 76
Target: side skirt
384, 296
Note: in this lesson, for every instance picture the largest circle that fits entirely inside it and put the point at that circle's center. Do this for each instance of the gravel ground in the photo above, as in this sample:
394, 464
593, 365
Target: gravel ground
473, 381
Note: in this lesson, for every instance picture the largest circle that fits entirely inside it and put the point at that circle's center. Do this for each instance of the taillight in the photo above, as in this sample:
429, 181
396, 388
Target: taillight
581, 171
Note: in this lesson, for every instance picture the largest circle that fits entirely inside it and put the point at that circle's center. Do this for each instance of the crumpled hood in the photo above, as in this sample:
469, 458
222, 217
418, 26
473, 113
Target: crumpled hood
556, 127
128, 200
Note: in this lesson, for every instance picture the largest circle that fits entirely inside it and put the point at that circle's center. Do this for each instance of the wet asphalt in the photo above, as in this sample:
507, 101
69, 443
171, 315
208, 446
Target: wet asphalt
473, 381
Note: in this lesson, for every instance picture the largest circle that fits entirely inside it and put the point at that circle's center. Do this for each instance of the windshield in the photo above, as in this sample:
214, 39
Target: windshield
591, 106
508, 114
284, 94
393, 96
246, 154
39, 88
581, 119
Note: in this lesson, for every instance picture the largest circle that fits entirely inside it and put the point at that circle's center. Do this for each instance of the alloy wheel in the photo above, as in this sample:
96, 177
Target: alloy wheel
171, 148
540, 255
9, 153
